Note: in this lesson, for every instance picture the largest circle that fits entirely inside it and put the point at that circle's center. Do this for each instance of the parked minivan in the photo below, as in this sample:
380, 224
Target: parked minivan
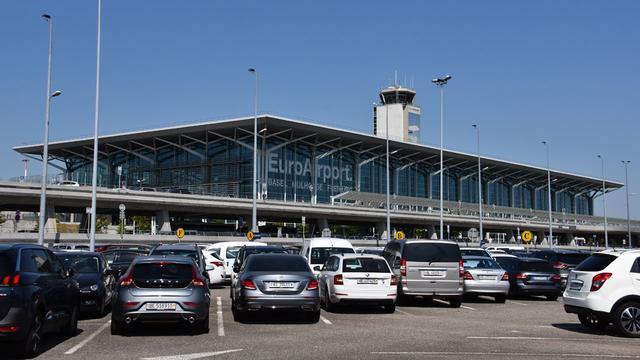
228, 250
318, 250
429, 268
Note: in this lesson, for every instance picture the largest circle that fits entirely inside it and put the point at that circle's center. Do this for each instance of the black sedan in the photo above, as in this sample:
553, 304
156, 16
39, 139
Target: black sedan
531, 276
120, 259
94, 278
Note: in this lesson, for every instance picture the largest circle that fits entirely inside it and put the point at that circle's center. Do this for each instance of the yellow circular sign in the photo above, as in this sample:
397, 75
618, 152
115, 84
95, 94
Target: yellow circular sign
250, 236
180, 233
399, 235
527, 236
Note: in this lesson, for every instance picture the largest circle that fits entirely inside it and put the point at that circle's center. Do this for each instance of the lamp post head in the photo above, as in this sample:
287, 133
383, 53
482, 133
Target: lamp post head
252, 70
47, 17
56, 93
475, 126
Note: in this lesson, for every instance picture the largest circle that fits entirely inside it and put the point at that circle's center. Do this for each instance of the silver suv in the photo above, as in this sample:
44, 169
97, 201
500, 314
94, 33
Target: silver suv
161, 289
429, 268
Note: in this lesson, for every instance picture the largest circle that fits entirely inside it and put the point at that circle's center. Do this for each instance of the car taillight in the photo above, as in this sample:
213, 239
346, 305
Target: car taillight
461, 269
467, 276
403, 267
599, 280
11, 280
8, 329
556, 278
394, 280
249, 285
313, 285
505, 277
127, 279
521, 276
196, 280
337, 280
130, 304
560, 265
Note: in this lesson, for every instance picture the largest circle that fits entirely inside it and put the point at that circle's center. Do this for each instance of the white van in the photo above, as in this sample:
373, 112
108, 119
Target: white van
318, 250
228, 250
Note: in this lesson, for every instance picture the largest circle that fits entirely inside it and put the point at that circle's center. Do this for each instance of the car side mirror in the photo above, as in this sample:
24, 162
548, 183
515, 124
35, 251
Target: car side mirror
236, 268
316, 268
108, 271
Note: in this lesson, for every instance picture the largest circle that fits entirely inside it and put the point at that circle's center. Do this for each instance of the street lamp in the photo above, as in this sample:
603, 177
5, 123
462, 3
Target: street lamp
45, 146
254, 210
479, 179
604, 204
441, 82
94, 174
626, 186
546, 145
388, 196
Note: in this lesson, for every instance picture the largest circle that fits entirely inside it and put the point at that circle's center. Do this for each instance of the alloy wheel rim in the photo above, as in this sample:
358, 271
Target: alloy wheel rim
630, 319
35, 337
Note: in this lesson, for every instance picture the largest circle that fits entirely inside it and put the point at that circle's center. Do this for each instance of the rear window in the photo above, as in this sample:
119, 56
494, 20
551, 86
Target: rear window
365, 265
319, 255
474, 252
536, 266
572, 259
487, 263
126, 258
173, 252
431, 252
596, 262
282, 264
6, 265
162, 275
81, 264
509, 264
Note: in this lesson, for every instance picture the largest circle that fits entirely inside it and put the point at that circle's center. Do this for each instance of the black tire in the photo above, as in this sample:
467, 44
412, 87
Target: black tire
238, 316
500, 299
593, 322
401, 298
202, 326
328, 305
552, 297
71, 328
455, 302
626, 319
31, 345
390, 308
313, 317
117, 327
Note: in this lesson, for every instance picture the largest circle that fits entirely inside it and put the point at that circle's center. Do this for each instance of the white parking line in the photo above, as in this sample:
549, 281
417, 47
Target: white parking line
403, 312
530, 338
467, 307
87, 339
219, 314
325, 320
517, 302
441, 354
447, 303
192, 356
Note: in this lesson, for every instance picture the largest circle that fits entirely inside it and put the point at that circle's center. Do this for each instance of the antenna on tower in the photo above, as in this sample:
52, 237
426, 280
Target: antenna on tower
395, 83
405, 79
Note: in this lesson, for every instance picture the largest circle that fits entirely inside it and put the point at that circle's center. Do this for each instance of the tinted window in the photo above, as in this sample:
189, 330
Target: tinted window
365, 265
283, 264
176, 252
6, 265
431, 252
596, 262
215, 251
320, 254
473, 252
35, 261
232, 252
266, 250
126, 257
536, 266
487, 263
81, 264
509, 264
162, 275
636, 266
572, 259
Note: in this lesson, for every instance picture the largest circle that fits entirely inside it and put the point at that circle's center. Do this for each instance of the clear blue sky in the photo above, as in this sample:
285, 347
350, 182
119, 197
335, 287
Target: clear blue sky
564, 71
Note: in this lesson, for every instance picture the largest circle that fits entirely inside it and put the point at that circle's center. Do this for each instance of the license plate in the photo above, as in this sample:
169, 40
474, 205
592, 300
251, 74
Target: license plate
432, 273
575, 285
487, 277
280, 285
539, 278
367, 281
161, 306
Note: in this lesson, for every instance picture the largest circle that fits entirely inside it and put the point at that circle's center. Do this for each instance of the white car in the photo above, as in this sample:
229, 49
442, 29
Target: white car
68, 183
217, 275
318, 250
352, 278
228, 250
605, 288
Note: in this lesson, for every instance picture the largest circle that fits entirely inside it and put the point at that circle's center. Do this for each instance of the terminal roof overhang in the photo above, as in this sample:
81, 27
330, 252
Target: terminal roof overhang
289, 129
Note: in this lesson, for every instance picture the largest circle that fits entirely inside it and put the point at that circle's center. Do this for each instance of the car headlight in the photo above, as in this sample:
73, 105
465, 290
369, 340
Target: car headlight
91, 288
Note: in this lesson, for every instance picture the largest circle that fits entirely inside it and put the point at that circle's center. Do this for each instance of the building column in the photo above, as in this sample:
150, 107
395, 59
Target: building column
154, 225
50, 225
381, 230
163, 221
323, 224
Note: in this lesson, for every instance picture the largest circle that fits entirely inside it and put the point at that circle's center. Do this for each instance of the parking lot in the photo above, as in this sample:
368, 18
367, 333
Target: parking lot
480, 329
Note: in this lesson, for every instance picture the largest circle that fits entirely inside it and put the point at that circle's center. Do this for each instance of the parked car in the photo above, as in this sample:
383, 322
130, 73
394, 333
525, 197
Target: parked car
562, 260
217, 274
273, 282
247, 250
189, 250
473, 251
318, 250
357, 279
68, 183
142, 247
430, 268
605, 288
37, 295
228, 251
531, 276
60, 247
161, 289
370, 251
94, 278
119, 260
484, 276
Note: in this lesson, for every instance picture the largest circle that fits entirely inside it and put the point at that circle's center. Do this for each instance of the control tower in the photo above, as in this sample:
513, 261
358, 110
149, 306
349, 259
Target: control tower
404, 117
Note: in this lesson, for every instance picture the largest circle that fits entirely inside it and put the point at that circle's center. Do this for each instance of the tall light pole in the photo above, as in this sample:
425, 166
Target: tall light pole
441, 82
254, 210
546, 145
479, 179
604, 203
388, 196
626, 186
45, 147
94, 174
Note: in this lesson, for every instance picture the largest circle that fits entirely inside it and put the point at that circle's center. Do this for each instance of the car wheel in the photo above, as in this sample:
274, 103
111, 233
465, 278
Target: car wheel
30, 346
328, 305
71, 328
592, 321
455, 302
202, 327
238, 316
501, 299
627, 319
552, 297
390, 308
116, 327
401, 298
313, 317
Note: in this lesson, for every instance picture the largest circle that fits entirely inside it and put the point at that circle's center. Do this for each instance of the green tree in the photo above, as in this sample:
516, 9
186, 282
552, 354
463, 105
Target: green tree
143, 223
102, 221
2, 219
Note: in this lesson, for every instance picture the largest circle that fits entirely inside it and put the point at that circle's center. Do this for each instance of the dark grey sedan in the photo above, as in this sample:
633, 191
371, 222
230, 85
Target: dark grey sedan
167, 289
275, 282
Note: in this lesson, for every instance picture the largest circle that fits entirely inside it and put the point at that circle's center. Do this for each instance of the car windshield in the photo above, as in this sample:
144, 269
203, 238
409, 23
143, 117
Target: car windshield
572, 259
368, 265
474, 252
176, 252
319, 255
596, 262
264, 250
508, 263
81, 264
232, 251
5, 265
487, 263
536, 266
432, 252
276, 263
